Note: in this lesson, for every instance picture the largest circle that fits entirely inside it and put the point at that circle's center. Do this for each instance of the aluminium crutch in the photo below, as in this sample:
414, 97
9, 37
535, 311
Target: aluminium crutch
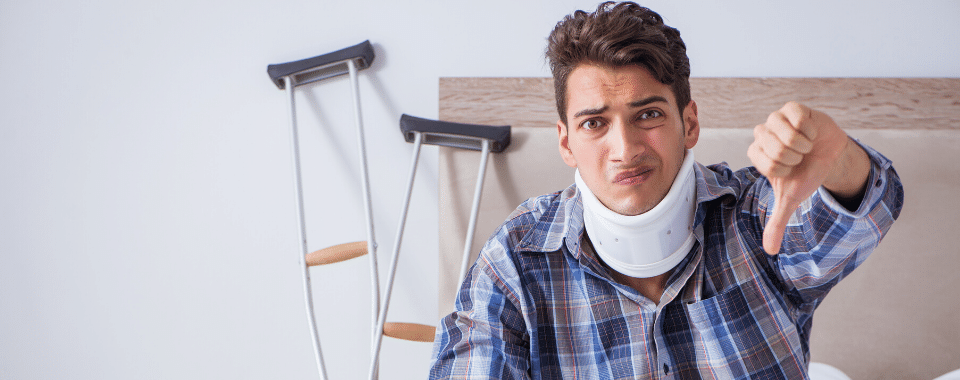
288, 76
484, 138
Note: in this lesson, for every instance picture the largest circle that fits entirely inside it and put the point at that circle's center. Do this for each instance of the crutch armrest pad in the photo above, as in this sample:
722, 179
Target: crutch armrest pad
362, 53
454, 134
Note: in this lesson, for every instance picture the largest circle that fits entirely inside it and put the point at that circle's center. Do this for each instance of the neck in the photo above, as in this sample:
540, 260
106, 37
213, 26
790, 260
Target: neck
651, 287
649, 244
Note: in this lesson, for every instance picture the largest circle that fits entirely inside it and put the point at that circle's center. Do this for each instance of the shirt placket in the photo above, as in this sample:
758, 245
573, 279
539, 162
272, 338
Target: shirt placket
642, 325
665, 366
661, 363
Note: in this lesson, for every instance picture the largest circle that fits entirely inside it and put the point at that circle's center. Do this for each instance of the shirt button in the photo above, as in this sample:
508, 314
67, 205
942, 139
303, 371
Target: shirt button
879, 182
666, 369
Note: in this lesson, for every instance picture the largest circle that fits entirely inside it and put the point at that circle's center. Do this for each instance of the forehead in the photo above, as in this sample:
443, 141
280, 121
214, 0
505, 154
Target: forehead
592, 86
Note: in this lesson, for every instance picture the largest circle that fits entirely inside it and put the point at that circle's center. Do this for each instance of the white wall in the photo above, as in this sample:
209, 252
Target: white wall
147, 220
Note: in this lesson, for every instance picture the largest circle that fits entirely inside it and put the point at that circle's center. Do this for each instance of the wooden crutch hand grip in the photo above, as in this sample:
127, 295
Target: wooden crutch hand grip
409, 331
337, 253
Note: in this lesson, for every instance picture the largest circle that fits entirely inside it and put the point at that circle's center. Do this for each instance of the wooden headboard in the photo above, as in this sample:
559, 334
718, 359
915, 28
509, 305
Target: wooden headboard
898, 316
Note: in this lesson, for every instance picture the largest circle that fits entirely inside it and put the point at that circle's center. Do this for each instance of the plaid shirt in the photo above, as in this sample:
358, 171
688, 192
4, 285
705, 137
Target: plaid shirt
537, 305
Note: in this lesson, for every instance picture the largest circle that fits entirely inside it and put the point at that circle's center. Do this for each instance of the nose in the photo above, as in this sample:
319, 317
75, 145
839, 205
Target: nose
625, 143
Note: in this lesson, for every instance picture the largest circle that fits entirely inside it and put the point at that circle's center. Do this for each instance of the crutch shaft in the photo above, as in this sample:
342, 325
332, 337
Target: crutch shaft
367, 203
301, 231
474, 211
395, 255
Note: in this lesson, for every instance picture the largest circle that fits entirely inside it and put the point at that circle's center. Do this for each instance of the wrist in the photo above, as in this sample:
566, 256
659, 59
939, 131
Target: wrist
848, 177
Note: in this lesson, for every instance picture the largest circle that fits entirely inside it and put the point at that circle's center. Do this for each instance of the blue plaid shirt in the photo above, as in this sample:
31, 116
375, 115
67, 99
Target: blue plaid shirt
538, 304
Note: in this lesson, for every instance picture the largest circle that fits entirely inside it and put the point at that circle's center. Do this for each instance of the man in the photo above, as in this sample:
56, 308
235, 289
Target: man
652, 265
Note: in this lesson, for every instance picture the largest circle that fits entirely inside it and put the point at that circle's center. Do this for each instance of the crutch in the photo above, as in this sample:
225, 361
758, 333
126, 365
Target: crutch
288, 76
484, 138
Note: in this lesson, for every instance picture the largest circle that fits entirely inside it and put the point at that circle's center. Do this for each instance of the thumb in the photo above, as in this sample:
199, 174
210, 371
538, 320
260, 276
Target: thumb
777, 224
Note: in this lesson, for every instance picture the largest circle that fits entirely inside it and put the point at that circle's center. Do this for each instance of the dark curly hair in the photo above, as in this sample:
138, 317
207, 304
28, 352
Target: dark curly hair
616, 35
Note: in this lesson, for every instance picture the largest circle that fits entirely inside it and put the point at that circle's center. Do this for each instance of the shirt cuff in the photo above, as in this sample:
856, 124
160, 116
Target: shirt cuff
876, 185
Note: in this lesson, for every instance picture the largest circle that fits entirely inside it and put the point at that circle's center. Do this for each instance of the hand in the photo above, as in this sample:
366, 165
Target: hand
797, 149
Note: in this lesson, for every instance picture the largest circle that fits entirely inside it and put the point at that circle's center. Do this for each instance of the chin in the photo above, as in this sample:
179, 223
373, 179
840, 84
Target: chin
639, 205
634, 208
630, 203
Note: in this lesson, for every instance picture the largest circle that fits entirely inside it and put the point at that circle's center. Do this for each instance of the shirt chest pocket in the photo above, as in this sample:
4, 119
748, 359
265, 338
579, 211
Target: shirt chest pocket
738, 333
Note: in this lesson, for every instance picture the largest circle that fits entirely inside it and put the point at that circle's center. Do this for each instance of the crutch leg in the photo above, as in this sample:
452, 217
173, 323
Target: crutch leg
474, 211
367, 203
378, 331
307, 293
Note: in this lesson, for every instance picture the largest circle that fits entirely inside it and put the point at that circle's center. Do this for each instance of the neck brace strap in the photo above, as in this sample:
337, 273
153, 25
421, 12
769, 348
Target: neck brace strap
648, 244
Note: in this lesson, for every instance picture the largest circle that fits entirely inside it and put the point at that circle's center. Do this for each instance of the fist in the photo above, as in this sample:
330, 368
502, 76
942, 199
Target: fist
797, 149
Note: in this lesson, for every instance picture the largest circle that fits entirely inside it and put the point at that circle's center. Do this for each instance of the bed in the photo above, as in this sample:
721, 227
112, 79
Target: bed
896, 317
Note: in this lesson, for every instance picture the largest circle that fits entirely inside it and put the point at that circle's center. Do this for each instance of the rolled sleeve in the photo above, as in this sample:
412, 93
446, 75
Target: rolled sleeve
825, 241
485, 337
877, 184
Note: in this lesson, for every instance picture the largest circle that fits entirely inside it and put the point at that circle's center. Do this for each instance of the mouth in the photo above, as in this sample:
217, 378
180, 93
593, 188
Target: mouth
633, 176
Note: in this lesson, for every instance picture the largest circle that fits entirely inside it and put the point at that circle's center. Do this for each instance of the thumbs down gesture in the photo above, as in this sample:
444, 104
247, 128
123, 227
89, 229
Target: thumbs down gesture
800, 149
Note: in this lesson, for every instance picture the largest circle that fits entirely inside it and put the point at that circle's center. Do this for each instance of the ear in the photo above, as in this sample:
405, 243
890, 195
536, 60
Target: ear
565, 151
692, 125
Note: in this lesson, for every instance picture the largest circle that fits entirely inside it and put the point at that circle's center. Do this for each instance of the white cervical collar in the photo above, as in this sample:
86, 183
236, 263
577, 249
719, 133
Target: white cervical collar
648, 244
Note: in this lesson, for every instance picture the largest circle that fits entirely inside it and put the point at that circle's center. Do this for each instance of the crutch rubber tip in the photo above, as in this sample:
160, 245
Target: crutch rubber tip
337, 253
409, 331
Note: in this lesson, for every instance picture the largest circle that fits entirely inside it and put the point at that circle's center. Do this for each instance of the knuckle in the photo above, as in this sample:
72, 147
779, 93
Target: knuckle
778, 153
782, 155
795, 139
795, 112
775, 117
794, 106
754, 151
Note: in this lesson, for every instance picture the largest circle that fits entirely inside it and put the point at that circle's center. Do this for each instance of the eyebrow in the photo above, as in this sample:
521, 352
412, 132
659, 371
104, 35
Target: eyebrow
634, 104
643, 102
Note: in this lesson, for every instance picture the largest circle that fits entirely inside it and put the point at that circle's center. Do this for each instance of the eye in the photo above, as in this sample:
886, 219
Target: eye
590, 124
650, 114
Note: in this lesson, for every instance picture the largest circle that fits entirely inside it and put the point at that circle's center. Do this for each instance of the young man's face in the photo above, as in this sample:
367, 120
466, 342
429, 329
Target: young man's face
625, 134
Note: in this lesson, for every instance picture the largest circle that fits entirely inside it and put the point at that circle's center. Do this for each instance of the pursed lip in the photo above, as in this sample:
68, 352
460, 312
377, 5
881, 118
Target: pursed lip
633, 176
